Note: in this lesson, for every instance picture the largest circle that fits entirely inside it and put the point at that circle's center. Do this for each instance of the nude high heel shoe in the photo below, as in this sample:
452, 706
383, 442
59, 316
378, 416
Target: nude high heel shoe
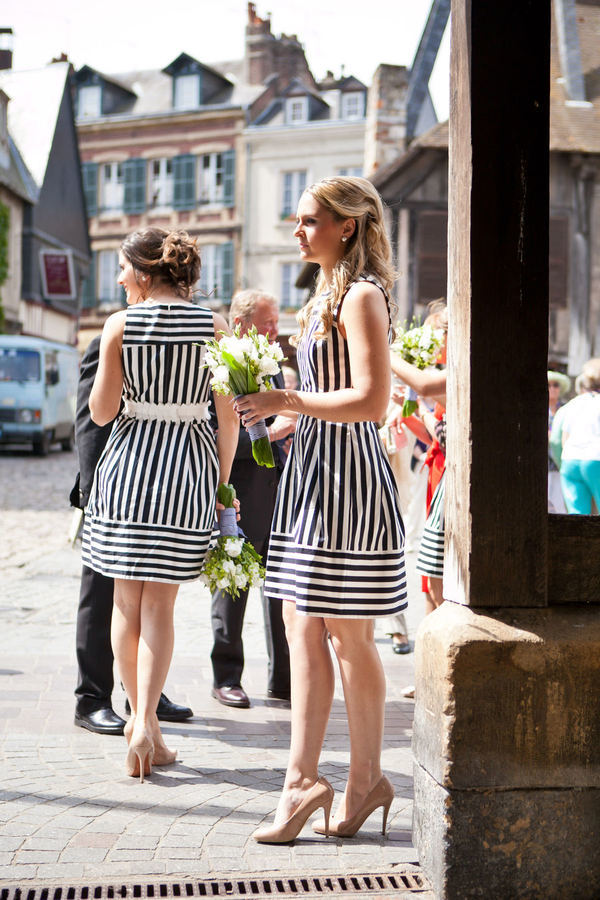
381, 795
140, 756
320, 795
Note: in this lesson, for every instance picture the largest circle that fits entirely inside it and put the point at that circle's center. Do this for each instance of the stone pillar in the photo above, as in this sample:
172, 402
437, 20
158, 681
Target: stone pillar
506, 731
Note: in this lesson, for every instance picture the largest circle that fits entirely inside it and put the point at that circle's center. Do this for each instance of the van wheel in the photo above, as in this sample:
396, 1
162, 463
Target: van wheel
41, 447
68, 442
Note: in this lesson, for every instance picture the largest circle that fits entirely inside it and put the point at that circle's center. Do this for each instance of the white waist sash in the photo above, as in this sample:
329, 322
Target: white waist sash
166, 412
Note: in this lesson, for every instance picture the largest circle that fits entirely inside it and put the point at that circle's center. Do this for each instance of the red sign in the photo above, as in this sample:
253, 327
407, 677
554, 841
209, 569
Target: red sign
57, 275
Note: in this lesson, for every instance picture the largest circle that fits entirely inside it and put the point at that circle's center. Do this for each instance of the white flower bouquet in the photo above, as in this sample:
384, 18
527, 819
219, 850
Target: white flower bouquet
419, 345
245, 364
233, 564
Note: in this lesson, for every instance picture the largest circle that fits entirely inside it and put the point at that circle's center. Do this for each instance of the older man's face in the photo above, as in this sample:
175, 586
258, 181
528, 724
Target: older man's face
266, 319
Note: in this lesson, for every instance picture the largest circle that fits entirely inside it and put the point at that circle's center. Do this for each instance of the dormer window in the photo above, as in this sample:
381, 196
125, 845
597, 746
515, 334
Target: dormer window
296, 110
353, 105
187, 92
89, 102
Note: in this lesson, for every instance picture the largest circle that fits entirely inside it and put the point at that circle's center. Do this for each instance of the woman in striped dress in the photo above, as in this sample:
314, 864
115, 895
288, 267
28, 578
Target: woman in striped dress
151, 510
336, 546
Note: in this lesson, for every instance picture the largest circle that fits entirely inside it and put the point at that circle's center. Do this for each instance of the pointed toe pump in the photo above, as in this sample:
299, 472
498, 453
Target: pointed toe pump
381, 795
140, 756
320, 795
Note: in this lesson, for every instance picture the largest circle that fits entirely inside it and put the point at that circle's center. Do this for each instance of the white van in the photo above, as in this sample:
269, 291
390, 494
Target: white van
38, 392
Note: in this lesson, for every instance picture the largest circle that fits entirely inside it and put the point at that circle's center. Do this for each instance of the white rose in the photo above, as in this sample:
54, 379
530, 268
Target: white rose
233, 546
256, 581
241, 581
268, 366
228, 566
223, 584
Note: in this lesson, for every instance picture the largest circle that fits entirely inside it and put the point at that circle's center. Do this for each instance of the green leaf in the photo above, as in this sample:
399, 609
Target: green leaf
263, 453
226, 495
408, 408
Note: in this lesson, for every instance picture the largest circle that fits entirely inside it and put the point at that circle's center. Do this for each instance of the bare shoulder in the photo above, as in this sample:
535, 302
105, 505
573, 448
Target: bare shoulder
220, 324
364, 302
114, 325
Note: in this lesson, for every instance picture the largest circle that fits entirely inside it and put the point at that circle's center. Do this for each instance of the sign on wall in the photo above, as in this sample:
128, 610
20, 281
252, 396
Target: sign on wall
58, 279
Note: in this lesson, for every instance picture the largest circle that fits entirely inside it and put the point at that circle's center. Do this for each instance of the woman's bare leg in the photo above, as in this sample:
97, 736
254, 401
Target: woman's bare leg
142, 635
312, 683
363, 680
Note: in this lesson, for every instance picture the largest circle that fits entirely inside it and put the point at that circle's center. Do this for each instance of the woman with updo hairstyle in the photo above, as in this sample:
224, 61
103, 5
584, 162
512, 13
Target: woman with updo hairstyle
152, 507
336, 548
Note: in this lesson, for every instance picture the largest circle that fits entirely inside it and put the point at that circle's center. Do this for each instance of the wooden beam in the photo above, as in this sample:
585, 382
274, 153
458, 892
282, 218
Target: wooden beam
496, 507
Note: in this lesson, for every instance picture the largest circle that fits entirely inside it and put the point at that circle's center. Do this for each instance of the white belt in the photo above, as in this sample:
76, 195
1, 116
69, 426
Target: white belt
166, 412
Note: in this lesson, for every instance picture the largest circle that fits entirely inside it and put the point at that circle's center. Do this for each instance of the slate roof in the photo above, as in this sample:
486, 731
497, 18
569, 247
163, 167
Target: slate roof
35, 98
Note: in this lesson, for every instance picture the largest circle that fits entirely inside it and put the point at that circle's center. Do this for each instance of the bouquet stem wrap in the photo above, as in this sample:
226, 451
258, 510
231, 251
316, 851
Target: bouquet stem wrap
228, 526
232, 564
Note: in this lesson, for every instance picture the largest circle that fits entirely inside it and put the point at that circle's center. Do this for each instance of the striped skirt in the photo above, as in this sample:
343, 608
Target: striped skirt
430, 560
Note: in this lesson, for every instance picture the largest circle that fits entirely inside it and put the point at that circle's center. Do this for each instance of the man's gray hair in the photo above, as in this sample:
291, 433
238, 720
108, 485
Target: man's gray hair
244, 304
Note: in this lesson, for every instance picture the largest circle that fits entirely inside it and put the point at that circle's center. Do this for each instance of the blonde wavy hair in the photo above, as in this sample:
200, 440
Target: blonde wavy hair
367, 250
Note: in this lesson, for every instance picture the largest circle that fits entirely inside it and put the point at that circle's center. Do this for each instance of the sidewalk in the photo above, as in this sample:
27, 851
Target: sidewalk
68, 812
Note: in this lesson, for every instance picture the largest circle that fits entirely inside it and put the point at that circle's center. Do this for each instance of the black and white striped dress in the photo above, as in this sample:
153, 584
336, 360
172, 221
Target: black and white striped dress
151, 510
336, 546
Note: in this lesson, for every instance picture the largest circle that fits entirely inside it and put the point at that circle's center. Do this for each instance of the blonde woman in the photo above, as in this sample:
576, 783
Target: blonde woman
336, 550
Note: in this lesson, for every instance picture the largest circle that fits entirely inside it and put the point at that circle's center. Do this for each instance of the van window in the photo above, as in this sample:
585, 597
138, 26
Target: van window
19, 365
52, 367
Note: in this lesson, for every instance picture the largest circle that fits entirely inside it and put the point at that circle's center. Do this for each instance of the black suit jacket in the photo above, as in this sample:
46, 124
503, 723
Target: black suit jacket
256, 486
90, 438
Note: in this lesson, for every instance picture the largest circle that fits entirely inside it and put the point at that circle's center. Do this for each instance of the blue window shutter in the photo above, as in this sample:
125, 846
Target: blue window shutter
134, 177
226, 267
88, 286
184, 182
89, 173
229, 178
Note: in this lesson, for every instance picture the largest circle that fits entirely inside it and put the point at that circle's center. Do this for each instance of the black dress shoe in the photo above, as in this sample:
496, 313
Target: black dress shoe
167, 711
402, 647
279, 699
231, 695
102, 721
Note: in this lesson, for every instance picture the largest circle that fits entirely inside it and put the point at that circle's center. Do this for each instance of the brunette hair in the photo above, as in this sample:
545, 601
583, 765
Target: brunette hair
367, 251
170, 258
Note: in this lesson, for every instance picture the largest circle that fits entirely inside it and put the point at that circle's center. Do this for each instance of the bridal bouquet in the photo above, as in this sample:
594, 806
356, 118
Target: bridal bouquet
419, 345
233, 564
244, 364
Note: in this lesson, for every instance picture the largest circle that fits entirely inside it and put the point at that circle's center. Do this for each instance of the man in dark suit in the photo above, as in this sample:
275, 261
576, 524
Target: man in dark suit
256, 488
93, 709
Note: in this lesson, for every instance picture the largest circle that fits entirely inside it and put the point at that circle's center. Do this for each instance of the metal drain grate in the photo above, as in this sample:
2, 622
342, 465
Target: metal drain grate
407, 882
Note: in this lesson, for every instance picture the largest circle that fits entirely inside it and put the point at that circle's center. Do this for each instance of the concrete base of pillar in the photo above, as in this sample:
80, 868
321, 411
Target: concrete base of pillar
507, 753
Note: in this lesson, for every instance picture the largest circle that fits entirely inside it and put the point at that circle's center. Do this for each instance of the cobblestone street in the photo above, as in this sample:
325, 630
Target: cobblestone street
68, 811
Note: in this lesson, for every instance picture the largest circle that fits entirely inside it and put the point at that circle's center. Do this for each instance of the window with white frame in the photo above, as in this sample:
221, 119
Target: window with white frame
292, 188
109, 291
291, 296
353, 105
354, 171
296, 110
160, 183
89, 102
210, 170
187, 92
112, 187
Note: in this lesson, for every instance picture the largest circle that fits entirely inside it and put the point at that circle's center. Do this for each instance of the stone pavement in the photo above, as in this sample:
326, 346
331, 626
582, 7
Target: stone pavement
68, 811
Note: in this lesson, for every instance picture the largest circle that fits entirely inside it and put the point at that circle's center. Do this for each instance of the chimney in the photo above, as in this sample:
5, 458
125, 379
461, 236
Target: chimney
386, 117
6, 48
267, 55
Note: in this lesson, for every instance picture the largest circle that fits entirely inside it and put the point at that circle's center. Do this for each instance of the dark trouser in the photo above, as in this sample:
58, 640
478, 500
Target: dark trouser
94, 651
227, 654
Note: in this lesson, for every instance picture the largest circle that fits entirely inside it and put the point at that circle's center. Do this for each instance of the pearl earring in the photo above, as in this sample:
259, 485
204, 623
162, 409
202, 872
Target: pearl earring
344, 239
